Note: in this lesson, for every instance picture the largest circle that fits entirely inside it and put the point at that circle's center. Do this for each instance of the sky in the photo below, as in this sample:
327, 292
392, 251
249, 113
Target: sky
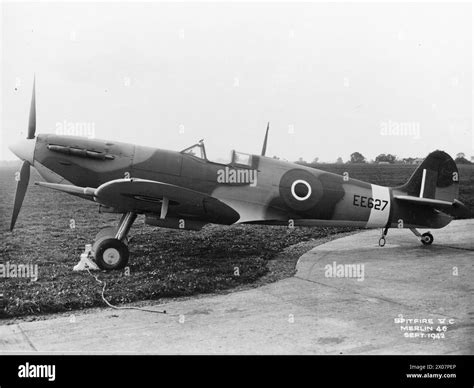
331, 78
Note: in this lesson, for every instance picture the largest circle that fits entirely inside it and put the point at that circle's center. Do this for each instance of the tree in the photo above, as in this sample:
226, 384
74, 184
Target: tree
357, 157
339, 160
460, 159
315, 160
301, 160
388, 158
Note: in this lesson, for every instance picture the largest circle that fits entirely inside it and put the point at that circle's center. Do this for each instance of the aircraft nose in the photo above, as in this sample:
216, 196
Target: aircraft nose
24, 149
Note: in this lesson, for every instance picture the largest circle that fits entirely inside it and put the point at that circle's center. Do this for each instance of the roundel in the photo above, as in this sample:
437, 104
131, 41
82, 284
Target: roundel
300, 189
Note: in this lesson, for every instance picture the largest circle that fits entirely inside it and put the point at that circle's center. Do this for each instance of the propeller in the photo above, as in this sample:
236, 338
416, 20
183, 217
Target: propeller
20, 191
24, 177
32, 119
264, 148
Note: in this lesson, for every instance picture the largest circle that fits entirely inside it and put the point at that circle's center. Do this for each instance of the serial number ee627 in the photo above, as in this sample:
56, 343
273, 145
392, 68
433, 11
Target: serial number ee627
375, 203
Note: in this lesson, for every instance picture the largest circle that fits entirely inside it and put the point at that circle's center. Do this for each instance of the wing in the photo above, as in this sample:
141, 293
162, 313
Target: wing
146, 196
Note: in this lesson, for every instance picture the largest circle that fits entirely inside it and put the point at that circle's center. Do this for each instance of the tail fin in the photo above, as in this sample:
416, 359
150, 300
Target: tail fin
436, 178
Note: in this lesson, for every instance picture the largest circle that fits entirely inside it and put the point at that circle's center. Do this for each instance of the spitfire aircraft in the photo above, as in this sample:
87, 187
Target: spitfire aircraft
185, 190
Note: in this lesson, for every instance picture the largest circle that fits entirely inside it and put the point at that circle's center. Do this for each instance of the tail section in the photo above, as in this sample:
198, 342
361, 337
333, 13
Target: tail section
436, 178
433, 188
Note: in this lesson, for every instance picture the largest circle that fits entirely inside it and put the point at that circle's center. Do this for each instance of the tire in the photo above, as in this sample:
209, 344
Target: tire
110, 254
382, 242
427, 238
108, 232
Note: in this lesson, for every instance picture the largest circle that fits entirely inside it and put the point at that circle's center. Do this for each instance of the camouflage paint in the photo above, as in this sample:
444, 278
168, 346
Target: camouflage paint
283, 192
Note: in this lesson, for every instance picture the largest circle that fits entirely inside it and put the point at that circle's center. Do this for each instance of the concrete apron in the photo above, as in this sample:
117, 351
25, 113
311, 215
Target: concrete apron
328, 307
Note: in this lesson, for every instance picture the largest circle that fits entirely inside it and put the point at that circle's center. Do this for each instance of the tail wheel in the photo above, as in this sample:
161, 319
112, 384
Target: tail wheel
382, 241
110, 253
427, 238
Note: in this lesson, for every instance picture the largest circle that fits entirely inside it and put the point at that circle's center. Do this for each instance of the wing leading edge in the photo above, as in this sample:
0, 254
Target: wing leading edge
146, 196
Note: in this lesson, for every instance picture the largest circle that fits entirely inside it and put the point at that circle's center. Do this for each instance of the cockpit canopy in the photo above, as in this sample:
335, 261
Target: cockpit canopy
241, 159
198, 150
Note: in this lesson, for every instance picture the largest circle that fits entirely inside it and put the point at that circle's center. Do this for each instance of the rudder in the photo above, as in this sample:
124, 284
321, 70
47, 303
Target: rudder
437, 177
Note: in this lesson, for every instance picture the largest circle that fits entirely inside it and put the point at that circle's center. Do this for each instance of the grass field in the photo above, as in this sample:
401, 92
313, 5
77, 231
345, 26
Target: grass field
164, 263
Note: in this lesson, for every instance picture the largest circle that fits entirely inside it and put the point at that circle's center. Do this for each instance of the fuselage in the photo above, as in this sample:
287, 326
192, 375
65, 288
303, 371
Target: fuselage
260, 189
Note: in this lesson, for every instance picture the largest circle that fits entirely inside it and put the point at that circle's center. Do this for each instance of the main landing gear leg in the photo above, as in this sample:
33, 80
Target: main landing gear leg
425, 238
382, 239
110, 247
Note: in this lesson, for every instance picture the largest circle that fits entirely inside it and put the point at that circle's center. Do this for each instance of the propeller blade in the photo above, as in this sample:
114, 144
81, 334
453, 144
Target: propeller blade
264, 148
20, 191
32, 119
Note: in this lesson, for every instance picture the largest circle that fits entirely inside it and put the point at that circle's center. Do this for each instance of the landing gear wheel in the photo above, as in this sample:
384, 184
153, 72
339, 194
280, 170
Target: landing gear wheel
110, 254
427, 238
108, 232
110, 248
382, 241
